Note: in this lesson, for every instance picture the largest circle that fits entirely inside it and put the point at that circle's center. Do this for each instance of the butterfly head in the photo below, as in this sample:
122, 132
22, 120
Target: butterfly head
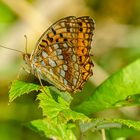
26, 58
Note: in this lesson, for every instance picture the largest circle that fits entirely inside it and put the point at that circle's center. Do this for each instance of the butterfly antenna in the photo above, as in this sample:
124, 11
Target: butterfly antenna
10, 49
25, 44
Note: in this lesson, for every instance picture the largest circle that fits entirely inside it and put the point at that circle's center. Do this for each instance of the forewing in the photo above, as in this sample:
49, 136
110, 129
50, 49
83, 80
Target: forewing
54, 54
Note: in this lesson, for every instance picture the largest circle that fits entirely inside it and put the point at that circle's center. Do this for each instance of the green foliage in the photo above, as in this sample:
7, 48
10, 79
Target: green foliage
59, 120
59, 111
19, 88
102, 123
118, 90
53, 130
7, 17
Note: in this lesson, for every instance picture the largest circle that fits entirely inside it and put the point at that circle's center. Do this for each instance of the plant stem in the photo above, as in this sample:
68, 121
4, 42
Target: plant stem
103, 134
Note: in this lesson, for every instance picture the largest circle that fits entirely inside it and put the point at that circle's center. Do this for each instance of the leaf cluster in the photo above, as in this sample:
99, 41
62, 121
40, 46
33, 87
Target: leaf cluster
60, 122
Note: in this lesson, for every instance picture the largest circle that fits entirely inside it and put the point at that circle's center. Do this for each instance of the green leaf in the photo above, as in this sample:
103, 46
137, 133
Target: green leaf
52, 130
117, 89
59, 110
19, 88
65, 95
129, 123
121, 134
103, 123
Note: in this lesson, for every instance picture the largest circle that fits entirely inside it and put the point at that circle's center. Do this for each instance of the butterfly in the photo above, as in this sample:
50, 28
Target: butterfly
62, 54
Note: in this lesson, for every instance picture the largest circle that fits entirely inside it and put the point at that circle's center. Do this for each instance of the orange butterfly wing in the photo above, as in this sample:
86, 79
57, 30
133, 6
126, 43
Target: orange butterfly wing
62, 54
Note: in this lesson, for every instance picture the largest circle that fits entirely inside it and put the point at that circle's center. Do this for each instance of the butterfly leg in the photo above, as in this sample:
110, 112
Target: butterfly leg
43, 88
19, 72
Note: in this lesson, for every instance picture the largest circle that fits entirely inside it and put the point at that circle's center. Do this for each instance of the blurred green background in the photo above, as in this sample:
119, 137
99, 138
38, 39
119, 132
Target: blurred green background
116, 44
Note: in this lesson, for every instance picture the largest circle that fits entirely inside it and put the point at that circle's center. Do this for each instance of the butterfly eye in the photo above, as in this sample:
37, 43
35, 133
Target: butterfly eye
26, 58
